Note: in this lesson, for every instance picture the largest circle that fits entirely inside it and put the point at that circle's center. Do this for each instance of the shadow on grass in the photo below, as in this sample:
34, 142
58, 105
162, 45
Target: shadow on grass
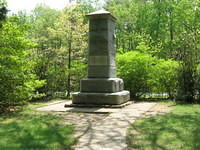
177, 130
31, 131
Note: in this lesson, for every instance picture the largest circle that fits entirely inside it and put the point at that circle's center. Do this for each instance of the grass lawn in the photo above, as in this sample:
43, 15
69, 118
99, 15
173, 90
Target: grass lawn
29, 129
178, 130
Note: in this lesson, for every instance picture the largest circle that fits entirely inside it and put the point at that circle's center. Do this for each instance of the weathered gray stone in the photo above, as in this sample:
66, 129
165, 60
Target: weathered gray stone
98, 60
101, 87
101, 72
101, 14
101, 98
101, 45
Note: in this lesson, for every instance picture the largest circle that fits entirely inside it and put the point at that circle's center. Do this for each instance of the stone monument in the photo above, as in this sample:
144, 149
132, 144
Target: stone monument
101, 87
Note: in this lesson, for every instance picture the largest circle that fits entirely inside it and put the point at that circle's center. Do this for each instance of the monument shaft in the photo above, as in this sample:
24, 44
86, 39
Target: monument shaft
101, 87
101, 46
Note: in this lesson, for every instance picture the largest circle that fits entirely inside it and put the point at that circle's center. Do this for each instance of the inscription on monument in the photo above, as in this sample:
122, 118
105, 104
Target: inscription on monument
98, 60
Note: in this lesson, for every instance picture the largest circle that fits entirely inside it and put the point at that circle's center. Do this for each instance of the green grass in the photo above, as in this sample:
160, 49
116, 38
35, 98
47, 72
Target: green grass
29, 129
178, 130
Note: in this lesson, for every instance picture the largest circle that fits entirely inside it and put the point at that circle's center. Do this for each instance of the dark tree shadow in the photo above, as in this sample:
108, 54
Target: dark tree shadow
35, 132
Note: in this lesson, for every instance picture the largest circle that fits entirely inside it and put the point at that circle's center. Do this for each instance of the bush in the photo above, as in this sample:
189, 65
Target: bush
163, 77
133, 68
143, 73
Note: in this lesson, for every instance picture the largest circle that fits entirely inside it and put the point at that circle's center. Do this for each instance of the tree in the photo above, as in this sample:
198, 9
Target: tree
125, 24
18, 82
70, 30
167, 29
3, 11
61, 46
39, 21
187, 48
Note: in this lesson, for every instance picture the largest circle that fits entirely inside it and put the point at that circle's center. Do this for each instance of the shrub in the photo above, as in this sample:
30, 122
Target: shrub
163, 77
144, 73
133, 68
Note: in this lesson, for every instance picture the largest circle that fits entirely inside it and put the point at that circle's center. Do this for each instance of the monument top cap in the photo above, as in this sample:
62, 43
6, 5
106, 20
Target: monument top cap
100, 13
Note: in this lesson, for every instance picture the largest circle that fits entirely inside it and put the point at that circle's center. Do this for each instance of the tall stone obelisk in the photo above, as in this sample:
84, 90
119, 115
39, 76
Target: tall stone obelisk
101, 87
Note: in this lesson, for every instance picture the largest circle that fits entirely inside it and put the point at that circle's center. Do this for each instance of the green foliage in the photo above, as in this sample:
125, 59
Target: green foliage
133, 68
61, 47
44, 54
78, 72
144, 73
166, 35
177, 130
125, 12
163, 77
3, 11
167, 29
88, 6
17, 79
70, 29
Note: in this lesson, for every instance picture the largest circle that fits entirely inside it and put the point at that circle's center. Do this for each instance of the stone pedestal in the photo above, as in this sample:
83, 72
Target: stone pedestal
102, 87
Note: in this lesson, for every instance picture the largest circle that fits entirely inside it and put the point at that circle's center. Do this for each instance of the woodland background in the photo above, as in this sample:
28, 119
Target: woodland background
43, 54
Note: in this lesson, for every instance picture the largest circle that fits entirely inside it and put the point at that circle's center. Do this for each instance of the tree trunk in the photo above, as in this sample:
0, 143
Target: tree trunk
69, 67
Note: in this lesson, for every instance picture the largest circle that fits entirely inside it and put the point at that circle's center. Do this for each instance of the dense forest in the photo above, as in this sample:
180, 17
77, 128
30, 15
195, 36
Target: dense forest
43, 54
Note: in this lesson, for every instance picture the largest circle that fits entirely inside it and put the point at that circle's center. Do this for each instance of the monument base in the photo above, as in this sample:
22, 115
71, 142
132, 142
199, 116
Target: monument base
116, 98
98, 106
102, 85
